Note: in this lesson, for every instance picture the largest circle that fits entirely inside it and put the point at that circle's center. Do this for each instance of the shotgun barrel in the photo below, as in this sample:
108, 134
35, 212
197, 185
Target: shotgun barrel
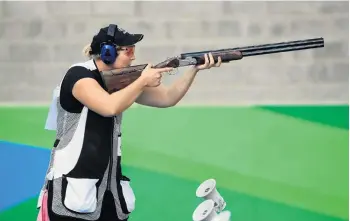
267, 48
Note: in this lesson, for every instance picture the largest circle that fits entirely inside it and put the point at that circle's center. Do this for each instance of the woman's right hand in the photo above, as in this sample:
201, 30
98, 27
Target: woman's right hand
153, 76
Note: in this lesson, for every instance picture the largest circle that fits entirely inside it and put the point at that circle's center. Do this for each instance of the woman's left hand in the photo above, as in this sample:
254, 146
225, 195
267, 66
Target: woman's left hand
209, 62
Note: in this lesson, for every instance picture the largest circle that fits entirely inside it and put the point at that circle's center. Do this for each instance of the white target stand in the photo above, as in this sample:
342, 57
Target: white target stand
207, 190
206, 212
223, 216
211, 209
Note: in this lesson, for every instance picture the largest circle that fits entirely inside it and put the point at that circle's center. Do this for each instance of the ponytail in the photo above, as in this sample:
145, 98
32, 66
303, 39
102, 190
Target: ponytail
86, 51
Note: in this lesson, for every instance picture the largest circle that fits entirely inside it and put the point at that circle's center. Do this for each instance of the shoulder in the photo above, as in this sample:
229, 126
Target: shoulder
89, 65
80, 70
75, 73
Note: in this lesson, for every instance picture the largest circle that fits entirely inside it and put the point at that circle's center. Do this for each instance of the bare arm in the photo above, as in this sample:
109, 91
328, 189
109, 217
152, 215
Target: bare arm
92, 95
163, 97
88, 92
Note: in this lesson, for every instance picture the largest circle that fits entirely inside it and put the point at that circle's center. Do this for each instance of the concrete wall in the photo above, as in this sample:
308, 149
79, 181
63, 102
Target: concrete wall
39, 40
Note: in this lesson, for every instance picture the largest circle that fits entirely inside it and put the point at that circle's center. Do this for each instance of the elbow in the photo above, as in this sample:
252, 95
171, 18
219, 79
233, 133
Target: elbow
108, 113
171, 103
160, 104
111, 111
165, 103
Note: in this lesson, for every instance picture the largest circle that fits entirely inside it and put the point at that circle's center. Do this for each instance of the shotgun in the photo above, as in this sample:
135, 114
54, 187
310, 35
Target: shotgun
118, 79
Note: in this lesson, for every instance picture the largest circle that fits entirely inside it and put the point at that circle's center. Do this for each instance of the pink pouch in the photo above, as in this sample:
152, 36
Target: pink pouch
43, 212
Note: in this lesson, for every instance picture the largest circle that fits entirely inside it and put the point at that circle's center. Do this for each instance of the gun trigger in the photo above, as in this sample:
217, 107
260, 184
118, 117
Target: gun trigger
172, 72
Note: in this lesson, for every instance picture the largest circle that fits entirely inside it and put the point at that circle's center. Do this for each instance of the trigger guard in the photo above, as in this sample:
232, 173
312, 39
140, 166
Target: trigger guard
172, 72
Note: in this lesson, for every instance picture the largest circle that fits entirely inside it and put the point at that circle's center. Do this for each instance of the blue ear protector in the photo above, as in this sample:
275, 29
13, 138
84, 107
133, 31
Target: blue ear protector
108, 49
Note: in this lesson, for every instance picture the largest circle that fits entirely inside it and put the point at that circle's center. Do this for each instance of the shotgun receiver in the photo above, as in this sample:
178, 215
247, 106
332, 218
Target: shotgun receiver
118, 79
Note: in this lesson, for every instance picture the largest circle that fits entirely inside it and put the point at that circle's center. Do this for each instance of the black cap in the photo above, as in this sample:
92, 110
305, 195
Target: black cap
121, 38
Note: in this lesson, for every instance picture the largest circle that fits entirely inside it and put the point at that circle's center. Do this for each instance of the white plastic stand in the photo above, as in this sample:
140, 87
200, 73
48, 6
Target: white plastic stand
207, 190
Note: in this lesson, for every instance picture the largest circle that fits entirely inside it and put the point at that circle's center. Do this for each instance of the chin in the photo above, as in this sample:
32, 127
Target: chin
122, 65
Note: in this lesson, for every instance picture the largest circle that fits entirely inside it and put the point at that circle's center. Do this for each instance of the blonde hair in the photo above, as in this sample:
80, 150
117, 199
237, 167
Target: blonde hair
86, 52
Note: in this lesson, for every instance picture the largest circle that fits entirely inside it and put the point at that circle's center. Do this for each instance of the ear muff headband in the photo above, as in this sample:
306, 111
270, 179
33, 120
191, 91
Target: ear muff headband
108, 49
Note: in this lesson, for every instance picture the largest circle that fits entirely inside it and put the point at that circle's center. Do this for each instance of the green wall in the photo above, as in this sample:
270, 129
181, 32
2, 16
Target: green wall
270, 162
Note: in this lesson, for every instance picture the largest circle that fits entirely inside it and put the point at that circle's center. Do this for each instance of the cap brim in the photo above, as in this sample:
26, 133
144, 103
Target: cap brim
132, 39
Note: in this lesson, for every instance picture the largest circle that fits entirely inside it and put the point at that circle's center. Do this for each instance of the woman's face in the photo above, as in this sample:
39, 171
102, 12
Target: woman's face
125, 57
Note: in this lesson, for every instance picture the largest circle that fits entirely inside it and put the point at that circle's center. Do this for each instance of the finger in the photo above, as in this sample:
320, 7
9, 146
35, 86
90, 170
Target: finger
206, 61
219, 62
162, 70
211, 60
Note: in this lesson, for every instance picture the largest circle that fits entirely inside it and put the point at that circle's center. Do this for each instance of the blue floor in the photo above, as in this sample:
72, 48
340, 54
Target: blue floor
21, 165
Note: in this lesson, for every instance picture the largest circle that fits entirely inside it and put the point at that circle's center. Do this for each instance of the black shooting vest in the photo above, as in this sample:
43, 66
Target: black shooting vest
86, 162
